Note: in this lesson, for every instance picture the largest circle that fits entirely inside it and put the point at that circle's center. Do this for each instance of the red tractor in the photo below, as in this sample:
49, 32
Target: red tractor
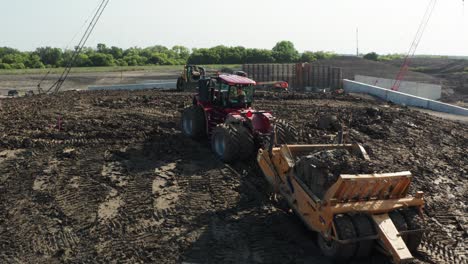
222, 110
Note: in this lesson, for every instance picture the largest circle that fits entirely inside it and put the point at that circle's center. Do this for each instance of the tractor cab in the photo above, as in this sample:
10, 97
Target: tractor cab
227, 91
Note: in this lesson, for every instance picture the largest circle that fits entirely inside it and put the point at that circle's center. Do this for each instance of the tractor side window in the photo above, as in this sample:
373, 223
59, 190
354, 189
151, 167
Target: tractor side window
224, 93
249, 94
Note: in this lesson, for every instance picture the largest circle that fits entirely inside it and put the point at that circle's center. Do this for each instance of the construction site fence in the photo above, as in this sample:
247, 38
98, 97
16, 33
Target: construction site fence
300, 76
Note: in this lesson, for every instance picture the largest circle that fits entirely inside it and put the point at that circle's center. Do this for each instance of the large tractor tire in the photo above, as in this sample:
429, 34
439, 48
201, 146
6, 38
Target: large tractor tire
193, 122
413, 222
286, 133
246, 142
364, 228
345, 230
232, 142
180, 84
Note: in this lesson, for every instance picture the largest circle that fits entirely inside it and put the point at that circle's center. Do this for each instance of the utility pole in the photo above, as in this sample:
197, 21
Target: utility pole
357, 42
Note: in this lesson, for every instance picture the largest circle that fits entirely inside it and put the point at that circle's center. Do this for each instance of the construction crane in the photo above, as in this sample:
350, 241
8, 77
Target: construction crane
414, 46
97, 15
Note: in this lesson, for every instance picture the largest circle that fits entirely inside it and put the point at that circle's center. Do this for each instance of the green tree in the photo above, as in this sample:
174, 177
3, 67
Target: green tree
102, 48
308, 56
14, 58
34, 62
5, 66
135, 60
158, 58
121, 62
372, 56
181, 52
116, 52
100, 59
18, 65
82, 60
258, 56
204, 56
324, 55
284, 52
7, 51
50, 56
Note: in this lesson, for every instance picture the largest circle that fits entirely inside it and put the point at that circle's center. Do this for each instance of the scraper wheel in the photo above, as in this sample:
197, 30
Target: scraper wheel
400, 223
364, 228
345, 230
414, 222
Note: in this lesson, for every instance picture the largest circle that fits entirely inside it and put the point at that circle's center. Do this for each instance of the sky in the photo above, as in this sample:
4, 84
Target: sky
384, 26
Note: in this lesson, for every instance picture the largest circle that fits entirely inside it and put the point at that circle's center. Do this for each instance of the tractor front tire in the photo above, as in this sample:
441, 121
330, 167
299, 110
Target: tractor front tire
231, 142
180, 84
193, 122
285, 133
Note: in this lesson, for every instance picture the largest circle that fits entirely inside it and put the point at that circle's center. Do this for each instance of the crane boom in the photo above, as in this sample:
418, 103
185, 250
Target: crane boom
414, 46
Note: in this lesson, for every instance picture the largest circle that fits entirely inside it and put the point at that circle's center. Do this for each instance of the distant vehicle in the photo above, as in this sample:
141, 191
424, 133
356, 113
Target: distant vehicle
190, 76
13, 93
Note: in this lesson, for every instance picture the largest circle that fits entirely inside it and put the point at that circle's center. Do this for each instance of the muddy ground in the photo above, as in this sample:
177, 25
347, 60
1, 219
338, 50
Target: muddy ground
107, 177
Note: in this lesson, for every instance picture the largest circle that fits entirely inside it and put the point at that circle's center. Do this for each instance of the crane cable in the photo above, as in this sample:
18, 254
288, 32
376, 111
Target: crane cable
83, 25
39, 88
414, 46
58, 84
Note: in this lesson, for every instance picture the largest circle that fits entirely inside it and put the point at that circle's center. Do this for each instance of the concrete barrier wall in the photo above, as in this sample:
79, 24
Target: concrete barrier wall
402, 98
425, 90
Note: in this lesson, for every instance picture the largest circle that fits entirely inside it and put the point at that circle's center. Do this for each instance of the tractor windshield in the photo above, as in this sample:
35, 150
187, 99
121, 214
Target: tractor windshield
241, 95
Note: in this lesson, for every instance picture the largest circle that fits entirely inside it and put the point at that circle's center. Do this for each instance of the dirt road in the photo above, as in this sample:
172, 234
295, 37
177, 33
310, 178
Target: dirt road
107, 177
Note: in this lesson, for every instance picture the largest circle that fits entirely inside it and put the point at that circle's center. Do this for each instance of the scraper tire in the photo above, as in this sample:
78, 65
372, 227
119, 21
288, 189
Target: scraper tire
414, 222
400, 223
364, 228
345, 231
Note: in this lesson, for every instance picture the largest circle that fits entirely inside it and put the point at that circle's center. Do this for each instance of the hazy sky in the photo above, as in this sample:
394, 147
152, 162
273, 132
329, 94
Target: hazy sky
385, 26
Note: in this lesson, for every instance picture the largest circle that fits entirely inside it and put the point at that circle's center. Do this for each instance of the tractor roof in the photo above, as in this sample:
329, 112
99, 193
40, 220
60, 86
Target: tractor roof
236, 79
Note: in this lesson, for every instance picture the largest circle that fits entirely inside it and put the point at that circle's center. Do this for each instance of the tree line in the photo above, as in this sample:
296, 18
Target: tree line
102, 55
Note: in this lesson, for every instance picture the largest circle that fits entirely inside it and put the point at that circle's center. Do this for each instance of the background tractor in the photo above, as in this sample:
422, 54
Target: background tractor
222, 110
190, 77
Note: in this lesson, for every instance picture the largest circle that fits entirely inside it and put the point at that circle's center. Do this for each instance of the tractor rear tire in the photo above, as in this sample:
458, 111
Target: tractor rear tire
345, 230
285, 133
193, 122
414, 222
364, 228
180, 84
232, 142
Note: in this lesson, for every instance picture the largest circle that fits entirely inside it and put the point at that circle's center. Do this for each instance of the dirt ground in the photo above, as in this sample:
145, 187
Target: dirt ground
107, 177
